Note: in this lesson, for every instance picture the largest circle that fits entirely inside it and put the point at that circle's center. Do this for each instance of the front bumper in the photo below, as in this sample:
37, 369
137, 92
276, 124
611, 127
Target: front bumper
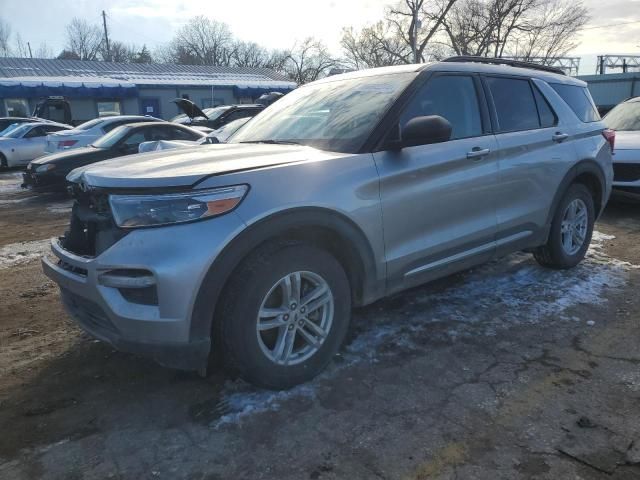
37, 182
174, 259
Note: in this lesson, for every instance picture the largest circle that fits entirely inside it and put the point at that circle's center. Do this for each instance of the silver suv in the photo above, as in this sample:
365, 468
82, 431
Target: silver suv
344, 191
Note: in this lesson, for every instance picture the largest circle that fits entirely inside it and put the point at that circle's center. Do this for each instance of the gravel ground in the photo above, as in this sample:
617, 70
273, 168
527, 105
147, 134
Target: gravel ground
506, 371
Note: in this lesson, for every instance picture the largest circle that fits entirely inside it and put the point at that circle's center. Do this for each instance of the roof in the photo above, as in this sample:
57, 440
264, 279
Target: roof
474, 67
131, 74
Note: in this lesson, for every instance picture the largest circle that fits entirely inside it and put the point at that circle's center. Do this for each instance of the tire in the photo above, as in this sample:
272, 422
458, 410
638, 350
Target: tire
259, 286
3, 162
559, 252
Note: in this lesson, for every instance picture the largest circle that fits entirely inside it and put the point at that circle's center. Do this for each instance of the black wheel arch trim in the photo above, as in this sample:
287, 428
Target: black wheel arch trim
269, 228
586, 166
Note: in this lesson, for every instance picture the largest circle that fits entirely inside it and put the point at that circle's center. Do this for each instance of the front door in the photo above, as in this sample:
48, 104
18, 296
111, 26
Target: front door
439, 200
150, 106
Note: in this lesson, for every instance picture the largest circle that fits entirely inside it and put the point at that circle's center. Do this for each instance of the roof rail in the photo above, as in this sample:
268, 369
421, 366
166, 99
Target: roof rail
505, 61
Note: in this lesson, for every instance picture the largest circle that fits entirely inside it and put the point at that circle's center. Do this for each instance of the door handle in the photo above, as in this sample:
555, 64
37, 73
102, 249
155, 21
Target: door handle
477, 153
559, 137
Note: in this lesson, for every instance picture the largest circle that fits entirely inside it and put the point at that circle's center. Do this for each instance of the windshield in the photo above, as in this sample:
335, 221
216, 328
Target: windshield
19, 130
111, 138
10, 128
337, 116
625, 116
89, 124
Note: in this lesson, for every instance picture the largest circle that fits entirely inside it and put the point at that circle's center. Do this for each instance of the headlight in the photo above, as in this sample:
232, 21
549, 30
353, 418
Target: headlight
45, 168
131, 211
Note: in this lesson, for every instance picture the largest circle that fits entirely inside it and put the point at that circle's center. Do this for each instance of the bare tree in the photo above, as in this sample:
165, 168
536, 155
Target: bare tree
521, 28
201, 42
118, 52
83, 39
552, 31
373, 46
5, 35
248, 54
308, 61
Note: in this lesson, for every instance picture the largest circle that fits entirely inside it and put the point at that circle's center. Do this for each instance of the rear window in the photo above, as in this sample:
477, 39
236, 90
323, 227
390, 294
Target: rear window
514, 103
580, 101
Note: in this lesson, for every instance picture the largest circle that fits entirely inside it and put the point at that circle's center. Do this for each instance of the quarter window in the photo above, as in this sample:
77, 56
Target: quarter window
514, 103
453, 97
580, 101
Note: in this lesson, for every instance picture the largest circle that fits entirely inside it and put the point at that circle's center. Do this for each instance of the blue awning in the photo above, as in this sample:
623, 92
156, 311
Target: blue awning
71, 89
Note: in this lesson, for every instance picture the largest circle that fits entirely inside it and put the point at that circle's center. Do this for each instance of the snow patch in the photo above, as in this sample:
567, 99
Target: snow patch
22, 252
503, 293
60, 208
10, 182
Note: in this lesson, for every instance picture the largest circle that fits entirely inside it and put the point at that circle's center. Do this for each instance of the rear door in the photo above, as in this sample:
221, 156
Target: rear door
34, 142
534, 154
439, 200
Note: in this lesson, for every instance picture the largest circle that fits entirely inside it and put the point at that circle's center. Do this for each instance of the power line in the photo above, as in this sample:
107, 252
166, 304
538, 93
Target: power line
610, 25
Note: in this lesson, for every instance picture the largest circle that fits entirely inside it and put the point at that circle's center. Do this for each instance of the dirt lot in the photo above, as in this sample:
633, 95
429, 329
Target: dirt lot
508, 371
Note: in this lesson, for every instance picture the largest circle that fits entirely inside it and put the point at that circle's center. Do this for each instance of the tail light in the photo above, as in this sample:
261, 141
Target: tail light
66, 143
610, 136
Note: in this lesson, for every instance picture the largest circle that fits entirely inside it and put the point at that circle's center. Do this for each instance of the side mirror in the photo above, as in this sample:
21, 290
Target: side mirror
425, 131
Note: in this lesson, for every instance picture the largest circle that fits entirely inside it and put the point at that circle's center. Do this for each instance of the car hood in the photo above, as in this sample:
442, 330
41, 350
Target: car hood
627, 140
189, 108
65, 156
183, 167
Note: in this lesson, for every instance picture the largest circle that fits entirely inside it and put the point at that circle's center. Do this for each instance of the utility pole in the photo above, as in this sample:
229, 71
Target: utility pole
106, 35
30, 54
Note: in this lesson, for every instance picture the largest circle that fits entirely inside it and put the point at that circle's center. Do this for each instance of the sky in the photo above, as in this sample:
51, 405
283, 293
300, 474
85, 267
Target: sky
276, 23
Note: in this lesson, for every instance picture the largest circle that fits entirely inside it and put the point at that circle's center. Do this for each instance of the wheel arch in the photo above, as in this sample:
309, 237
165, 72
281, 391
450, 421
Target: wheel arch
589, 173
322, 227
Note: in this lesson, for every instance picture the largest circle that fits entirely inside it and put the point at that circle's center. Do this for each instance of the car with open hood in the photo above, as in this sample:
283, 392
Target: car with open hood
26, 141
49, 172
214, 117
345, 190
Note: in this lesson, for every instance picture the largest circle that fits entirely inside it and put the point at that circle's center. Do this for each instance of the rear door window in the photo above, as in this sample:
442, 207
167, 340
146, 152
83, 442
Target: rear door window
453, 97
514, 103
579, 99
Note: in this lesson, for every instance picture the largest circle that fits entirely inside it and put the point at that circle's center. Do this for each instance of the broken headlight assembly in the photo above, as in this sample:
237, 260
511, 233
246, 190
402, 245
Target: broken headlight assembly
133, 211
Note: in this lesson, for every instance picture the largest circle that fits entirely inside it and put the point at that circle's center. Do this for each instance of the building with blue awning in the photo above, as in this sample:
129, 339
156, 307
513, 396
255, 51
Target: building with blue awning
95, 88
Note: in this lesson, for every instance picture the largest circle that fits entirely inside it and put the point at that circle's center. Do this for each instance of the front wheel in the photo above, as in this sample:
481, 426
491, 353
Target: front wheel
571, 230
285, 313
3, 162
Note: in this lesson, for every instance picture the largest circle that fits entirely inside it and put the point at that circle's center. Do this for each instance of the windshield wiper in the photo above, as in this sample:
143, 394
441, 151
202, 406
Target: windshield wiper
273, 142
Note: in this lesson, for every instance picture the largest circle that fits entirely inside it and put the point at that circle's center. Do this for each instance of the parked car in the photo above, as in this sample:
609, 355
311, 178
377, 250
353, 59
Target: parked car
347, 189
213, 118
6, 122
217, 136
88, 132
267, 99
26, 142
49, 172
624, 118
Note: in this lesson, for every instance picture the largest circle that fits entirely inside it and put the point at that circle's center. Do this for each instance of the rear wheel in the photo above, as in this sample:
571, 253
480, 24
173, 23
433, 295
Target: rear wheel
571, 230
285, 314
3, 162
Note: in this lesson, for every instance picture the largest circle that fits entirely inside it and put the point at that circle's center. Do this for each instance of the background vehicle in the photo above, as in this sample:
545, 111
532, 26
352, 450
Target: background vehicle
56, 109
49, 172
267, 99
6, 122
346, 190
26, 142
625, 120
213, 118
87, 132
217, 136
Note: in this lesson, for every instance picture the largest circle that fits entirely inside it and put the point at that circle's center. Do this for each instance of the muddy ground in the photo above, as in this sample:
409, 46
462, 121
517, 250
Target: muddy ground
508, 371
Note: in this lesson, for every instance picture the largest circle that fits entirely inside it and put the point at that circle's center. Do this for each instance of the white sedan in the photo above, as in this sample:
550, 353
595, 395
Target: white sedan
625, 120
26, 142
88, 132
